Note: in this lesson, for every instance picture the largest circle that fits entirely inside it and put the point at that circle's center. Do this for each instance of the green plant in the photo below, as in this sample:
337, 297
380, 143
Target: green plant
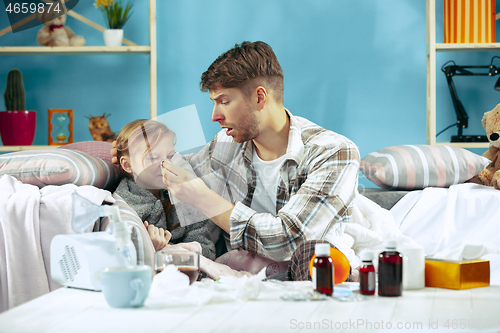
115, 13
15, 96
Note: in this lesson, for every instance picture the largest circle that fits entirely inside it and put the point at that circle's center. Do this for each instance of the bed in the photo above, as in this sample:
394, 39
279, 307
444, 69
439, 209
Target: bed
402, 173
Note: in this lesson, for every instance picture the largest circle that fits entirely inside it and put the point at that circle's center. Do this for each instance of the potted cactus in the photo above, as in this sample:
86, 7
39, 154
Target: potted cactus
17, 126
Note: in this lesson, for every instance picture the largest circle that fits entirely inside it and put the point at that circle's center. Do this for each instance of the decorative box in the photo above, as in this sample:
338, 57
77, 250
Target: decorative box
457, 274
469, 21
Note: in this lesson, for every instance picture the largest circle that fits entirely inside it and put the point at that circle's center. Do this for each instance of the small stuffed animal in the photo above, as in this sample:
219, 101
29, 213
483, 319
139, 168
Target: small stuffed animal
54, 33
99, 128
490, 176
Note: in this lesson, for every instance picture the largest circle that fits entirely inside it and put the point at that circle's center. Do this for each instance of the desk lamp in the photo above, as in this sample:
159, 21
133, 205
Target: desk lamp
462, 117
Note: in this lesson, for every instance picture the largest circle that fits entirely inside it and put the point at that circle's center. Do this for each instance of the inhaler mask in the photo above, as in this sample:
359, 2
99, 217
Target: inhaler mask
85, 213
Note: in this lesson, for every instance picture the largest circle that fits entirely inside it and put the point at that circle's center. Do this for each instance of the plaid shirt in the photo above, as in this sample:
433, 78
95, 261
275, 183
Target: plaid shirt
316, 188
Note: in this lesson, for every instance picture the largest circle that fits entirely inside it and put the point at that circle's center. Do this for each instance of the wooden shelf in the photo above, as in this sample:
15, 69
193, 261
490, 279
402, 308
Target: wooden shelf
19, 148
129, 48
432, 48
73, 50
468, 47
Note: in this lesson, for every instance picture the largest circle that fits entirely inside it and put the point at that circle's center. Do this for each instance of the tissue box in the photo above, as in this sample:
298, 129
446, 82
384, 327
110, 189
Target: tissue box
457, 274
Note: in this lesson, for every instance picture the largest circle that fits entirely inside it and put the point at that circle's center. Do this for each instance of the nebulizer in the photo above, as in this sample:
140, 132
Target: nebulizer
76, 260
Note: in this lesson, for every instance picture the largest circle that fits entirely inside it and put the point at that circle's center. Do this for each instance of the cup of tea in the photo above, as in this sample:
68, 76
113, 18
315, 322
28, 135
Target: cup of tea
187, 262
127, 286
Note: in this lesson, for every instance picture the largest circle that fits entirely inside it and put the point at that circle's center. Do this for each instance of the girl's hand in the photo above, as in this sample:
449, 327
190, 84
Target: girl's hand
159, 237
114, 152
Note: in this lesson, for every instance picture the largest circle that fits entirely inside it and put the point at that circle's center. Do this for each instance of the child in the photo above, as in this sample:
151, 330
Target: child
141, 146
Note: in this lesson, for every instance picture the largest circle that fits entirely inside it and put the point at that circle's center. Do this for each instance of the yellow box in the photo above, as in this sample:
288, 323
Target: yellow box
469, 21
457, 274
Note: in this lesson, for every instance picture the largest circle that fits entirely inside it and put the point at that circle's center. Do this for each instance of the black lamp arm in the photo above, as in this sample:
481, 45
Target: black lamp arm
451, 69
462, 117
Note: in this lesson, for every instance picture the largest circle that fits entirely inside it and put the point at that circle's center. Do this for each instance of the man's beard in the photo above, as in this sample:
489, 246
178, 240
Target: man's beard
247, 130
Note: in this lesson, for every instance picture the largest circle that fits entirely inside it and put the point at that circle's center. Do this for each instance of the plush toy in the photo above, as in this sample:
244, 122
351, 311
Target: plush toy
99, 128
490, 176
54, 33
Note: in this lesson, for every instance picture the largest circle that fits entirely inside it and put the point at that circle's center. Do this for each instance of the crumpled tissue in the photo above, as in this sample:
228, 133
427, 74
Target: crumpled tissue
466, 251
171, 288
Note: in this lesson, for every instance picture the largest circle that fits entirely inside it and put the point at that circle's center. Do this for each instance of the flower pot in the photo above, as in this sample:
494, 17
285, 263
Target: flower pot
113, 37
17, 128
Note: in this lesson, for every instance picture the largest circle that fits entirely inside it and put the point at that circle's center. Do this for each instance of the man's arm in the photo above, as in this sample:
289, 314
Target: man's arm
322, 200
190, 189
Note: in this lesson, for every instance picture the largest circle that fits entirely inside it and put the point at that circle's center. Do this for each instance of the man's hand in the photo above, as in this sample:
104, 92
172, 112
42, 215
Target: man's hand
159, 237
113, 153
188, 188
182, 184
191, 246
215, 270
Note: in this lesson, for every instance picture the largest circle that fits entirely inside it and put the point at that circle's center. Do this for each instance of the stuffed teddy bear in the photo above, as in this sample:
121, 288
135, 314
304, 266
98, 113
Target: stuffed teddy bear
490, 176
54, 33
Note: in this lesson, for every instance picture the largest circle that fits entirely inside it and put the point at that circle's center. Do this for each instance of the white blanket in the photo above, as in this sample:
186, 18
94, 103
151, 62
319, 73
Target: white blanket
370, 227
444, 221
29, 218
452, 223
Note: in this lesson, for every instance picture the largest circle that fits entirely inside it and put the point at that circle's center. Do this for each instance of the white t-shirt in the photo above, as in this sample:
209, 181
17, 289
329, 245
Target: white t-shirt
264, 197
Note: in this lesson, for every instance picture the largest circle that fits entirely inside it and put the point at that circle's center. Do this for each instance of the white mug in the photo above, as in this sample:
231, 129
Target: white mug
413, 267
127, 286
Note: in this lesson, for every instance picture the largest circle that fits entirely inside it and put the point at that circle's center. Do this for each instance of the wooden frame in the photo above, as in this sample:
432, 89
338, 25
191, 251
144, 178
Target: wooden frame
52, 112
71, 13
129, 48
432, 48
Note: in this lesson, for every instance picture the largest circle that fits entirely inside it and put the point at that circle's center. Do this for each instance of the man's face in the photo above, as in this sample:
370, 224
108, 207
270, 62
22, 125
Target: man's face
233, 111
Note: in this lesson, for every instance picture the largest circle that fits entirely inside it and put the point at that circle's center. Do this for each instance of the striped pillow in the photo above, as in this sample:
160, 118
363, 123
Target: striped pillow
99, 149
127, 213
415, 167
58, 167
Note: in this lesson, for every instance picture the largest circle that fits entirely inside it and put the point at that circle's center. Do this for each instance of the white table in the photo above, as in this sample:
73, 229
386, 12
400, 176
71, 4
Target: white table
429, 309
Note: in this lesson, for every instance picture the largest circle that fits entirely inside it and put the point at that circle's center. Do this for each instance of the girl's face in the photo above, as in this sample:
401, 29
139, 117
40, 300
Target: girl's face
146, 168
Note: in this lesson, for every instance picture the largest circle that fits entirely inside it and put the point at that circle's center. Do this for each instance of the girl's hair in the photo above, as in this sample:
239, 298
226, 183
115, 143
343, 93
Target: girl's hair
136, 132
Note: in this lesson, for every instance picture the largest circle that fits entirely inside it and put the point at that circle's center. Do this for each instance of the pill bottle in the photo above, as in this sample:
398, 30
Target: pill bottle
390, 271
367, 274
322, 272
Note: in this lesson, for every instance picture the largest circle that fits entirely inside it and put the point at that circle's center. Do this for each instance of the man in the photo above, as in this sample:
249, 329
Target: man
299, 179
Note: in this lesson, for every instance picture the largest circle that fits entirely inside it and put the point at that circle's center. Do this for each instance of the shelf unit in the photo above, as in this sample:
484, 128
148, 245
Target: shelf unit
130, 48
73, 50
432, 48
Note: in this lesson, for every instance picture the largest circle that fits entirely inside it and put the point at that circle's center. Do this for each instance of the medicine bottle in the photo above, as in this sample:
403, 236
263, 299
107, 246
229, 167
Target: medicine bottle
322, 272
367, 274
390, 271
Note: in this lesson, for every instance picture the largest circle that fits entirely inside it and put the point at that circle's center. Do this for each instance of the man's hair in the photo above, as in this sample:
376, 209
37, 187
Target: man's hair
241, 65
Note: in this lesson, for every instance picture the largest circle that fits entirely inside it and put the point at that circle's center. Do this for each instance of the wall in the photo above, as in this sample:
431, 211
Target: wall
356, 67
